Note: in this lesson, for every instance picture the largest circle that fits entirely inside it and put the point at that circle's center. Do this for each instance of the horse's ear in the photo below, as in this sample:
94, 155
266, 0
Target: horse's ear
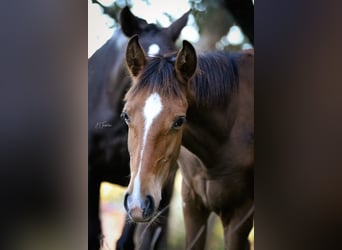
186, 62
130, 24
135, 56
176, 27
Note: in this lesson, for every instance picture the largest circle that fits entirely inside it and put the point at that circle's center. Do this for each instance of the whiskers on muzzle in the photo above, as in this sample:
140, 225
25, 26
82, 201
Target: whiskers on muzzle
155, 222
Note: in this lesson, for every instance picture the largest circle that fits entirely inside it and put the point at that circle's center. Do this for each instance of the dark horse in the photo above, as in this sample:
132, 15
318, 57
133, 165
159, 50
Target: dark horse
108, 155
205, 103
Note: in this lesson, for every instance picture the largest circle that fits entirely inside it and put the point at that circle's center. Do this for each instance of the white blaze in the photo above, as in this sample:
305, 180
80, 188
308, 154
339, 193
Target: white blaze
153, 49
152, 108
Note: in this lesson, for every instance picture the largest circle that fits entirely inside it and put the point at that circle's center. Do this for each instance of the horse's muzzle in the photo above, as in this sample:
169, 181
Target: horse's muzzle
140, 211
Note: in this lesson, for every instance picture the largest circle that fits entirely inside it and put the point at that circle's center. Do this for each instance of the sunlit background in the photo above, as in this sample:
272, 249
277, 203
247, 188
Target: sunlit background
100, 28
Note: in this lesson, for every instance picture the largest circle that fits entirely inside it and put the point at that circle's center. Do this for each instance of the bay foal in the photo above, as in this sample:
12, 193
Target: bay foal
206, 103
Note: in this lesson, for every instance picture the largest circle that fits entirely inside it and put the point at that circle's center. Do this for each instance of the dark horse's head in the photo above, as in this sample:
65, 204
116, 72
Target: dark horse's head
153, 39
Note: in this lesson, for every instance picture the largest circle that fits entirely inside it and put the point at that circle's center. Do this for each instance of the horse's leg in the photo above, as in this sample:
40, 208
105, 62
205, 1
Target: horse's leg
126, 240
237, 227
94, 228
195, 219
153, 235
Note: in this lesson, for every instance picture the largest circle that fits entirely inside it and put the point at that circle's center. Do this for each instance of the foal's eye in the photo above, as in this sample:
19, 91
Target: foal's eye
178, 122
125, 117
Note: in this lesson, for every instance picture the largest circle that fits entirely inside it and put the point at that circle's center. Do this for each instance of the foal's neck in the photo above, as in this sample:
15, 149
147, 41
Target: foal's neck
207, 131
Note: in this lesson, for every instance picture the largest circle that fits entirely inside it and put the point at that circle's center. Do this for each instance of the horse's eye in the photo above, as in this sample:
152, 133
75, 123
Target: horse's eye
125, 117
178, 122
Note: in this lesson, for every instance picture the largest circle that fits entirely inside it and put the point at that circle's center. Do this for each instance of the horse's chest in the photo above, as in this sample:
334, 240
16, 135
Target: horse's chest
219, 194
216, 195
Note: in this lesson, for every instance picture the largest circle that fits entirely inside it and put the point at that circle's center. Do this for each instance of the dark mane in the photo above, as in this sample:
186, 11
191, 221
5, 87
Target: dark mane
215, 80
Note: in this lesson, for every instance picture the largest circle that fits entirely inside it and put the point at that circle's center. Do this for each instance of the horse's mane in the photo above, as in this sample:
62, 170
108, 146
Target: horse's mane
216, 78
214, 81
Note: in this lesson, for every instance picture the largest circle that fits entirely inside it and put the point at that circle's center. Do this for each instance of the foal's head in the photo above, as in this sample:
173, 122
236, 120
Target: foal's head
155, 112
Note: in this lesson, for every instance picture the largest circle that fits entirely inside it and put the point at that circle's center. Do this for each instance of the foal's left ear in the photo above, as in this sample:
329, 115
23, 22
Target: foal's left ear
135, 56
186, 62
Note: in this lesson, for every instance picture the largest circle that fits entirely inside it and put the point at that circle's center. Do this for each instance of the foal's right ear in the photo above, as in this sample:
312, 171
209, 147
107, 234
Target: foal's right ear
135, 56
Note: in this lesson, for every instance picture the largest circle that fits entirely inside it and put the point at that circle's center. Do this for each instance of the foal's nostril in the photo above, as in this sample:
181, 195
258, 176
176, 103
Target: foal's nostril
148, 207
138, 209
125, 201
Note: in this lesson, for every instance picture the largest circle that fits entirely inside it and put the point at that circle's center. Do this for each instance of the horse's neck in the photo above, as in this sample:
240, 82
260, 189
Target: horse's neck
223, 137
206, 132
